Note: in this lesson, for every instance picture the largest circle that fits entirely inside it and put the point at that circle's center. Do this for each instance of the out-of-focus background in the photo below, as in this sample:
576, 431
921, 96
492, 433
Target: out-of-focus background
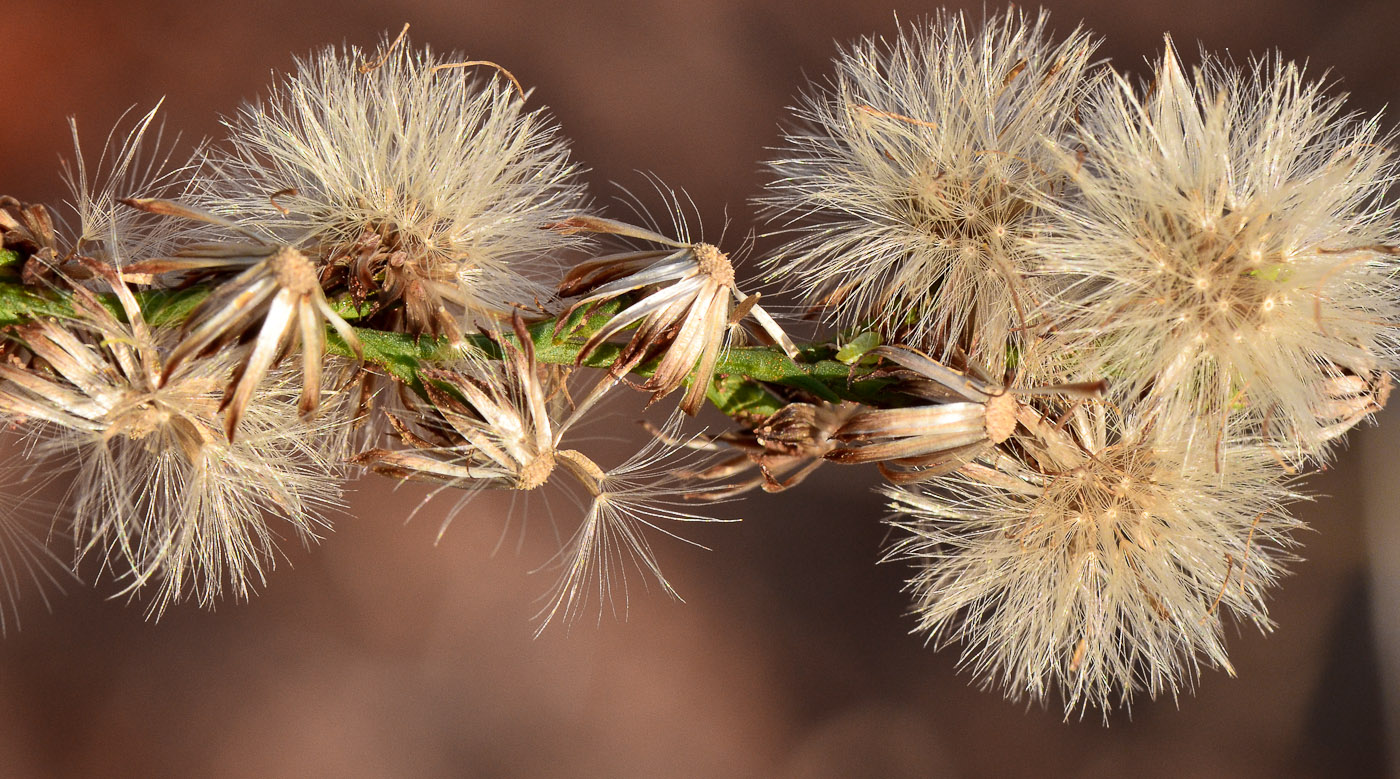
380, 654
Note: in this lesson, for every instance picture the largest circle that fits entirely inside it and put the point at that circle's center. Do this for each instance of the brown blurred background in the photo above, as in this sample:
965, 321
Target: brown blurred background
380, 654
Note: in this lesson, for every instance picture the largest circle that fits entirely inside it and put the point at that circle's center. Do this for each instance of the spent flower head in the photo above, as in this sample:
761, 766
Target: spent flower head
911, 184
959, 417
413, 182
495, 427
160, 491
276, 293
687, 306
1098, 560
1226, 245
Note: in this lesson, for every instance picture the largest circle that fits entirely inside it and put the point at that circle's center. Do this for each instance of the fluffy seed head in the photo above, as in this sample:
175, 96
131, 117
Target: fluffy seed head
425, 184
1226, 243
1099, 561
159, 489
911, 186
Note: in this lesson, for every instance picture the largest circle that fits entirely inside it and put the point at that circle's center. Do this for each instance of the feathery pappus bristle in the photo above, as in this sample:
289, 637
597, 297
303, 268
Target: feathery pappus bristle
29, 565
134, 165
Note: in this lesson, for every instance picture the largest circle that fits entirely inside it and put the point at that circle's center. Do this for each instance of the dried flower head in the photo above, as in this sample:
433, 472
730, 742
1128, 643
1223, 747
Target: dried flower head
911, 187
412, 182
687, 308
785, 448
497, 430
1227, 244
276, 292
160, 490
1099, 559
960, 416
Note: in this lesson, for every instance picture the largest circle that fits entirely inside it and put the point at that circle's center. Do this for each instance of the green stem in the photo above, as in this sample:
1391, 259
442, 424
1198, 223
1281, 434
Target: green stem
751, 382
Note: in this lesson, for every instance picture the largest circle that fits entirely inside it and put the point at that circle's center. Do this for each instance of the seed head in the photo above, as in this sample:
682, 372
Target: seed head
414, 184
911, 186
496, 429
1099, 560
160, 490
1226, 245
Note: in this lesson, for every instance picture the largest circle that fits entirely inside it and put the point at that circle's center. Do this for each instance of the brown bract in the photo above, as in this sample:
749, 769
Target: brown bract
411, 285
1347, 400
27, 229
785, 448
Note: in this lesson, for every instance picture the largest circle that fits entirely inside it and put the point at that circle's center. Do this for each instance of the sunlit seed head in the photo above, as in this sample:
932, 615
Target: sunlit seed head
1104, 566
159, 494
431, 182
1226, 243
909, 186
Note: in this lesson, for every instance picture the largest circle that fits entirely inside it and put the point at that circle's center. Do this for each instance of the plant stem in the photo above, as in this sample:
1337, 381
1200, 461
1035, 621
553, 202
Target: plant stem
749, 380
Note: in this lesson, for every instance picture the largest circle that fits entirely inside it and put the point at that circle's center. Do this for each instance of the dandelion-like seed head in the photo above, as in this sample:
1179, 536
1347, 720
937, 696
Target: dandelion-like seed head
160, 490
911, 187
1098, 562
1226, 244
415, 182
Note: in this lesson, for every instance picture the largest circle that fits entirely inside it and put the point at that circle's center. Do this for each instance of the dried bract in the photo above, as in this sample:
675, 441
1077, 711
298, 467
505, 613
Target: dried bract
785, 448
961, 418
